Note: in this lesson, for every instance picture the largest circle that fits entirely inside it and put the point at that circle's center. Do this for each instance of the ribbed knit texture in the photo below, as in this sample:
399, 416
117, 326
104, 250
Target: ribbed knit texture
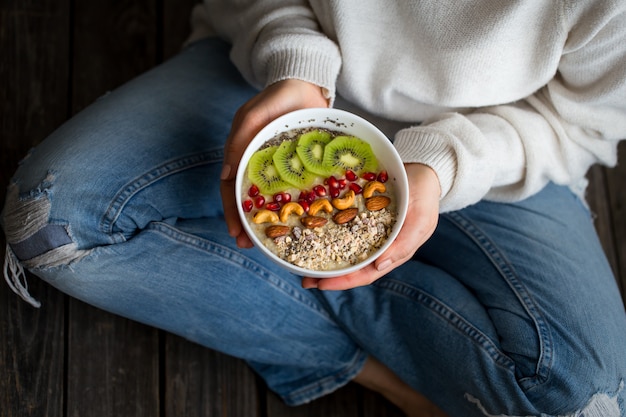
503, 96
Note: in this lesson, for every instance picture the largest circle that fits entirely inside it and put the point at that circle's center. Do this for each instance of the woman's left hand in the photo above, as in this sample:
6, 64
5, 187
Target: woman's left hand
420, 223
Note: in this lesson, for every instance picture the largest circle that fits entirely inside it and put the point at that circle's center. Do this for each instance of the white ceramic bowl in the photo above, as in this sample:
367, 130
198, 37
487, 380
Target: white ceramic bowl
349, 123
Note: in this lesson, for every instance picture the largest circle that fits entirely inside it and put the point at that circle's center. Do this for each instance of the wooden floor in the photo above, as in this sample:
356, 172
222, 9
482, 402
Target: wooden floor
68, 359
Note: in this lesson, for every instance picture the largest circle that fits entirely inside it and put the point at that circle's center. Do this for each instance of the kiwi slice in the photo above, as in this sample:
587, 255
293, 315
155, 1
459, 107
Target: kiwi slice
310, 149
263, 172
349, 153
290, 166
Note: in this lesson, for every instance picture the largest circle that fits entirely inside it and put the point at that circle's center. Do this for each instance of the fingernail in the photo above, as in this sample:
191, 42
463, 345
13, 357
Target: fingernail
225, 172
381, 266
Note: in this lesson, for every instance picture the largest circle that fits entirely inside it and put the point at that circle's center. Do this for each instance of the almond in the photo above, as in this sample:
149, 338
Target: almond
312, 222
378, 202
277, 231
344, 216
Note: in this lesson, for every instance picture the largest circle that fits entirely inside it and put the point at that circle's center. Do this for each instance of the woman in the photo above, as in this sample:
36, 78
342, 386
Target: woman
496, 298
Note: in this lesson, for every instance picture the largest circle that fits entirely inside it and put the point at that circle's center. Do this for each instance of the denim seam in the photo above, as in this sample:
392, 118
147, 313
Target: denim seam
229, 255
458, 322
507, 272
133, 187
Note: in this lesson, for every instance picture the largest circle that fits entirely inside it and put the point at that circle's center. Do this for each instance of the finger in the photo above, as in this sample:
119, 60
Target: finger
418, 227
412, 235
246, 124
243, 241
360, 278
229, 202
308, 282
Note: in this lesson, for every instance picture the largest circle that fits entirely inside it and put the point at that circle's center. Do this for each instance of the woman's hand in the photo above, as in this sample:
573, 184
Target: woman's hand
420, 223
276, 100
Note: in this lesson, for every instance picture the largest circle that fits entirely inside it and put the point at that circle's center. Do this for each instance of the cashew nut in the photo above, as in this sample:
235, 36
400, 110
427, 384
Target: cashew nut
264, 216
287, 209
373, 186
321, 204
345, 201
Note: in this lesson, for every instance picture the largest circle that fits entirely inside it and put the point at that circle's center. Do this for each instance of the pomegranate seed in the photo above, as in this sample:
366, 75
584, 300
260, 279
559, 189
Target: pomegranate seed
342, 183
356, 188
383, 176
304, 205
259, 201
278, 197
320, 190
369, 176
332, 182
310, 197
247, 206
351, 176
334, 192
273, 206
286, 197
302, 195
253, 191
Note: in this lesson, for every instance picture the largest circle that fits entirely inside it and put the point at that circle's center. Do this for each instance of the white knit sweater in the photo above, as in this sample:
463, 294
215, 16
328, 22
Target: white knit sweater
508, 95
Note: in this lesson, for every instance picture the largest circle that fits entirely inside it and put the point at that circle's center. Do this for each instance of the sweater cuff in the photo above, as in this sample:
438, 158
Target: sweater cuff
420, 145
311, 65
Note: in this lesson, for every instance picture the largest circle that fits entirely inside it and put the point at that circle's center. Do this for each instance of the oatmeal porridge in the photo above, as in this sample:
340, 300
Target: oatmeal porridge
319, 199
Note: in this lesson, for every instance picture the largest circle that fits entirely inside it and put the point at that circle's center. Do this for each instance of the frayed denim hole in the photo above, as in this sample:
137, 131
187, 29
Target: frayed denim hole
32, 241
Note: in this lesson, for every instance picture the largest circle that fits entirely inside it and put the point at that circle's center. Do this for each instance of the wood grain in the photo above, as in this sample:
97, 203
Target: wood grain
343, 402
616, 186
201, 382
34, 40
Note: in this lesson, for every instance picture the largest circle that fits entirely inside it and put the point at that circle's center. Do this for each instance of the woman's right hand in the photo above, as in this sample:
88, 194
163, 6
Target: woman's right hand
274, 101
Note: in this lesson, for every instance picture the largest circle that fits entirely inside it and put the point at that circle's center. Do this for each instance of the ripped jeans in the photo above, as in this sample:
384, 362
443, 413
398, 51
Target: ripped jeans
509, 309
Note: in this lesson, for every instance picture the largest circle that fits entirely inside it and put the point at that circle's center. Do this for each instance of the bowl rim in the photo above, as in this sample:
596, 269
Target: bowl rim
322, 117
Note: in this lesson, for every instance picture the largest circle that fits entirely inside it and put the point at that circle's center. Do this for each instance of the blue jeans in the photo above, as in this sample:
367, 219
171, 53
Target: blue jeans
509, 309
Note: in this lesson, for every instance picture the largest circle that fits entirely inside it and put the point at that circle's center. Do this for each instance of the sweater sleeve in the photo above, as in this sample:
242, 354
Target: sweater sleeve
509, 152
273, 40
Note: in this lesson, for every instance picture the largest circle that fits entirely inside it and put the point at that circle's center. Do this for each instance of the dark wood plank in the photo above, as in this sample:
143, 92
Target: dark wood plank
32, 345
113, 42
113, 365
113, 362
176, 24
608, 204
616, 179
201, 382
349, 401
598, 199
375, 405
342, 403
33, 71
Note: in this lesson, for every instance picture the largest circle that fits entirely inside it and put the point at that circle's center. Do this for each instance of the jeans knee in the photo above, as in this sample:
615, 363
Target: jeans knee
33, 240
